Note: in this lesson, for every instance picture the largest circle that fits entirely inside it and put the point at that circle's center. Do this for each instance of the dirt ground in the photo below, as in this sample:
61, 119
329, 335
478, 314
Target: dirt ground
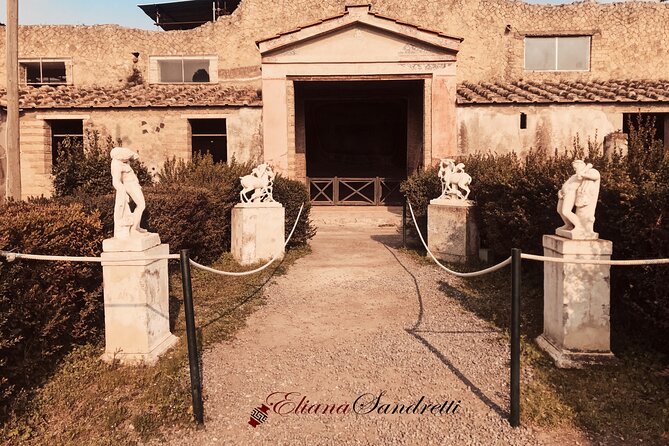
354, 320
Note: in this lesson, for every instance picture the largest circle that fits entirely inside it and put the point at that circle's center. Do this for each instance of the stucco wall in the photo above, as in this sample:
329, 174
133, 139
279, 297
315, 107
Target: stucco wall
155, 134
629, 39
497, 128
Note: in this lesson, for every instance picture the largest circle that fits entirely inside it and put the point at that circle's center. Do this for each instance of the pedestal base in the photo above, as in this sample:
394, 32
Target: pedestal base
452, 234
257, 232
149, 358
576, 303
568, 359
136, 243
136, 301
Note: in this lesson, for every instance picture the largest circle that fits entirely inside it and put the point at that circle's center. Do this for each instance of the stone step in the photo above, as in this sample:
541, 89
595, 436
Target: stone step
359, 216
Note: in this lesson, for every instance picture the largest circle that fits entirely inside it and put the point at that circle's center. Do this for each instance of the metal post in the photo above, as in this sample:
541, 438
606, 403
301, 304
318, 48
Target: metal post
514, 418
193, 357
404, 224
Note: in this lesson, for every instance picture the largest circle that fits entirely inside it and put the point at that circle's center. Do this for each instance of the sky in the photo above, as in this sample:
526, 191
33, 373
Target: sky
91, 12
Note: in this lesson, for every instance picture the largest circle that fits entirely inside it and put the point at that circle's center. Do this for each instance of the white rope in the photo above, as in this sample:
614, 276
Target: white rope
253, 271
11, 256
596, 262
450, 271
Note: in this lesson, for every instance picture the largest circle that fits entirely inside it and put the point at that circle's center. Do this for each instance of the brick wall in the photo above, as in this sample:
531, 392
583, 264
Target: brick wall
155, 134
629, 38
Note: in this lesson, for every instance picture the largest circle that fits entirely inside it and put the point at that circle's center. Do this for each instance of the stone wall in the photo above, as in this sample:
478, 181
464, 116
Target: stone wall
155, 134
628, 39
496, 128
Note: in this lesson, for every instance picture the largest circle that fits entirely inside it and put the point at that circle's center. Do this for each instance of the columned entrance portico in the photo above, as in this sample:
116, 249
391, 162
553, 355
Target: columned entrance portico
350, 52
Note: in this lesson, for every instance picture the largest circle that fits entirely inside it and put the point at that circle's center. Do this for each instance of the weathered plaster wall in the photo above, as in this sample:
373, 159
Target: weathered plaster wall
155, 134
3, 155
629, 39
497, 128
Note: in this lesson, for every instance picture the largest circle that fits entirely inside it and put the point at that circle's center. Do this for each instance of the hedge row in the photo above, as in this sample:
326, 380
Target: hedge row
517, 199
47, 307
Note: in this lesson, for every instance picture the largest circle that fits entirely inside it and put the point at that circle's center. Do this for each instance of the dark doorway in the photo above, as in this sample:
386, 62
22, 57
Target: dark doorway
356, 137
359, 139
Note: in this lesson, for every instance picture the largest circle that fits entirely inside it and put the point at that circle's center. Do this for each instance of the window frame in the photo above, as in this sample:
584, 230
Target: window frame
155, 74
67, 62
192, 135
51, 121
556, 37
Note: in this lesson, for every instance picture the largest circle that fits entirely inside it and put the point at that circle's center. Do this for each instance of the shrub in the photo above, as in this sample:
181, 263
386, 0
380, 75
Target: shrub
84, 167
46, 307
292, 194
223, 180
186, 218
517, 201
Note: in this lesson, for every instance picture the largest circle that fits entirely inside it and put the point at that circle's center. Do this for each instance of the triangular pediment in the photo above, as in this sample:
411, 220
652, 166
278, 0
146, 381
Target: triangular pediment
359, 36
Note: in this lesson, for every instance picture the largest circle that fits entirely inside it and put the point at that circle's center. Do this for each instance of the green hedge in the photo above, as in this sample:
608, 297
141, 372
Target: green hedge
82, 167
185, 218
517, 201
223, 180
45, 307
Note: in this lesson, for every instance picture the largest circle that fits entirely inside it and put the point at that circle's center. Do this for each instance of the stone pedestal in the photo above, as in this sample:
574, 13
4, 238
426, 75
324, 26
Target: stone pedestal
257, 232
136, 296
452, 234
576, 303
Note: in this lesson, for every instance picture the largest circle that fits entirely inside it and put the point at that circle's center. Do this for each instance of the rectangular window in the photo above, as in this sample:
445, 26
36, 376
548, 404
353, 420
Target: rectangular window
184, 69
44, 71
66, 134
210, 136
568, 53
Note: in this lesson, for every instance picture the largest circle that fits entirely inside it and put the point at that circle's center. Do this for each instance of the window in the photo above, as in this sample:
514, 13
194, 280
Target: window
44, 71
61, 130
523, 121
657, 121
209, 136
182, 69
557, 53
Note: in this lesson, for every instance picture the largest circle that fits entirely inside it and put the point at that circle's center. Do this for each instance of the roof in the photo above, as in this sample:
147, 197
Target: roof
141, 96
347, 12
208, 95
550, 92
188, 14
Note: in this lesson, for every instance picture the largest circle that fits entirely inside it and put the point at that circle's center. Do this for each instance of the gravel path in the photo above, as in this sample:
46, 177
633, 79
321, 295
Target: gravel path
357, 317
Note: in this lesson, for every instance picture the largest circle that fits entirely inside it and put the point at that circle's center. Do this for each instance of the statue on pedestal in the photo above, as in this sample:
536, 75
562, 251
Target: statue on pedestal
453, 178
126, 183
581, 191
261, 182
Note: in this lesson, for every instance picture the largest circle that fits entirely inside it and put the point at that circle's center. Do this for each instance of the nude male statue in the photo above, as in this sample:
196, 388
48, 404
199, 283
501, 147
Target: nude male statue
127, 186
581, 191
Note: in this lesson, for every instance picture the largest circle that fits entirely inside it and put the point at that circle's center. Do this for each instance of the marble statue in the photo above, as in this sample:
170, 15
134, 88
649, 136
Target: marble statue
453, 178
261, 182
126, 222
580, 191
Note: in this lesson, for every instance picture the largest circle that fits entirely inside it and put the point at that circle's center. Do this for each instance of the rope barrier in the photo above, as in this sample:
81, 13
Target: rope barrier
596, 262
253, 271
539, 259
450, 271
11, 256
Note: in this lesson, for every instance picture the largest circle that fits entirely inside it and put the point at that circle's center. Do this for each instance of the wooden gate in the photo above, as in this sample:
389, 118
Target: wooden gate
355, 191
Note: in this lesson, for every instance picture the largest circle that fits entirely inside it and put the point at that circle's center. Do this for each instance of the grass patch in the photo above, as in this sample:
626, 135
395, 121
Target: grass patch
90, 402
623, 404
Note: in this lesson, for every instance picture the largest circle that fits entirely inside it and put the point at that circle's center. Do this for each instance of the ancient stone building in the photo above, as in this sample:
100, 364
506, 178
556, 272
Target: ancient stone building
334, 89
